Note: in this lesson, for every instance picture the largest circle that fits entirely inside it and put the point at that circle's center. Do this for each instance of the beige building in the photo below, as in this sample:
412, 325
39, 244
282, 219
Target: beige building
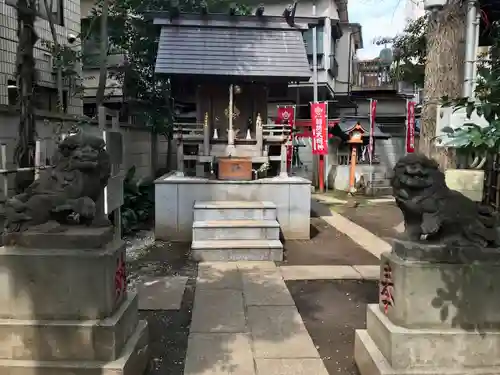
66, 13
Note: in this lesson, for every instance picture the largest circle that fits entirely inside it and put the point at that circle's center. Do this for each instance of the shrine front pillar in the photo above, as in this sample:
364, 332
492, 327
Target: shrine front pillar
230, 130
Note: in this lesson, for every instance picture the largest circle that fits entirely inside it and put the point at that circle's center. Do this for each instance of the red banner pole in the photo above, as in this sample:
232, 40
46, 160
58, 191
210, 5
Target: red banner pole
321, 167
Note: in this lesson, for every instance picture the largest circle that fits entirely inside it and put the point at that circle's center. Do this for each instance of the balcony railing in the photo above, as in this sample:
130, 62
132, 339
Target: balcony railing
371, 75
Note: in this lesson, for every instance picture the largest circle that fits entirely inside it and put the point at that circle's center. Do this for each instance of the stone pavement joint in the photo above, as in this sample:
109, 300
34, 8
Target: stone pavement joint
245, 322
358, 234
319, 272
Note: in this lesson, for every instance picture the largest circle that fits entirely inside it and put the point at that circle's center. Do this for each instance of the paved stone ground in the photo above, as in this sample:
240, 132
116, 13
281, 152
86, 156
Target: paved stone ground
240, 318
245, 322
331, 311
357, 272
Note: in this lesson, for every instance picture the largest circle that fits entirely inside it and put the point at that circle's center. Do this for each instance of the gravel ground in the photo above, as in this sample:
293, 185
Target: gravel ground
380, 219
332, 311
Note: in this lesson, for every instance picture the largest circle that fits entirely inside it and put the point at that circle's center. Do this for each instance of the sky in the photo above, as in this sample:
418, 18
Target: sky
378, 18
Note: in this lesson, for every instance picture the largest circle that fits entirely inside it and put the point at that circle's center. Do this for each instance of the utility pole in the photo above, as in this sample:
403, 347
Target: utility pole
316, 162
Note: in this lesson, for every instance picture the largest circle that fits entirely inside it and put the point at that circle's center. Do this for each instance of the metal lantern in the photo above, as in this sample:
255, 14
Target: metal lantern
356, 136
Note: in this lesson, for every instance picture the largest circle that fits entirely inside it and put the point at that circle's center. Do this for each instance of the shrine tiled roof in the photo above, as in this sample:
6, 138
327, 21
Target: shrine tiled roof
253, 48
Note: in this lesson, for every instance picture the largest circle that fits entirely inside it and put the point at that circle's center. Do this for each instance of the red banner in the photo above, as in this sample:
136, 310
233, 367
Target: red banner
373, 115
319, 128
410, 127
286, 114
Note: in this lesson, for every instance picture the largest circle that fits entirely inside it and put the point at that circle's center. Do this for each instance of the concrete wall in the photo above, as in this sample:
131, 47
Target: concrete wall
175, 197
8, 45
324, 9
345, 52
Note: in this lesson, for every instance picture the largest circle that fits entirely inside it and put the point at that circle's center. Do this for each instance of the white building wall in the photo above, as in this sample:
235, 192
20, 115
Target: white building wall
324, 9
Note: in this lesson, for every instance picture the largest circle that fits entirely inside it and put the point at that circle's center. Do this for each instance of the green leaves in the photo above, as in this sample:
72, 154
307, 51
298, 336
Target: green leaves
410, 51
148, 96
138, 202
485, 104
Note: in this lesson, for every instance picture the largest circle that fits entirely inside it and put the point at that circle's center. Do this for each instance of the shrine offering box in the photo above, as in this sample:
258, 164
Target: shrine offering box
235, 169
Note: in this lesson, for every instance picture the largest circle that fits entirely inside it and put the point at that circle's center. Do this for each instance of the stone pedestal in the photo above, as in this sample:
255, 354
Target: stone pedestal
433, 318
66, 310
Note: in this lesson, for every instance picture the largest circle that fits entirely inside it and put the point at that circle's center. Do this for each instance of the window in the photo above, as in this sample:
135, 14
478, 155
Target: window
56, 8
45, 98
320, 62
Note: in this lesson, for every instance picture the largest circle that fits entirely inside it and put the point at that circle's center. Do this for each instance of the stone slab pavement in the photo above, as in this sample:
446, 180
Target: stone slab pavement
245, 322
359, 272
161, 292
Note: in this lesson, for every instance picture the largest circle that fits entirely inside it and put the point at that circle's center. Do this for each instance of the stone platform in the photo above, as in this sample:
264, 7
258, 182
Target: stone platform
175, 197
66, 311
443, 318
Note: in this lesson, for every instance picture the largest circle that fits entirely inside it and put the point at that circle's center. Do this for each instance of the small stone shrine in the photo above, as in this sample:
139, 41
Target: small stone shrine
64, 305
439, 301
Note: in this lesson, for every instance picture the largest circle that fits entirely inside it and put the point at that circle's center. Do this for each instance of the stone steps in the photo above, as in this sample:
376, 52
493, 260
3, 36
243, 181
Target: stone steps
237, 250
234, 210
235, 231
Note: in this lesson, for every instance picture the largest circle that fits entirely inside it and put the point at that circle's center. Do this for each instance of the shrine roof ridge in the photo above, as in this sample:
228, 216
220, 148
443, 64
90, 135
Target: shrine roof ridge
228, 21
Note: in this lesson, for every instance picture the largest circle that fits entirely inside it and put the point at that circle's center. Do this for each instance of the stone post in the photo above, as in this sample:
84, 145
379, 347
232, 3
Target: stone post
283, 168
258, 134
230, 130
180, 157
206, 136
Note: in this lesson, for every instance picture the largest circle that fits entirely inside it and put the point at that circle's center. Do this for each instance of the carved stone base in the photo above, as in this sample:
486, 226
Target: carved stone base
441, 295
438, 253
66, 311
442, 319
386, 349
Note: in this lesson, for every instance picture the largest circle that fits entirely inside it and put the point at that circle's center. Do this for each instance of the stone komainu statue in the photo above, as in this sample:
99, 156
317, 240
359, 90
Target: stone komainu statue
435, 213
66, 193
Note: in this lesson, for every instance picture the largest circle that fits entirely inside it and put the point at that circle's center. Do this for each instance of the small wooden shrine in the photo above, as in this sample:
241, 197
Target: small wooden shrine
227, 64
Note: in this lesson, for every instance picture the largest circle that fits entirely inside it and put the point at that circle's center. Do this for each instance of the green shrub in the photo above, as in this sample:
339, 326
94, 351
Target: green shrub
138, 203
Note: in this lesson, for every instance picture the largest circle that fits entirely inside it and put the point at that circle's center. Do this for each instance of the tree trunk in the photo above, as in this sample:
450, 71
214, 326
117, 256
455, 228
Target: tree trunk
26, 78
443, 75
103, 72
